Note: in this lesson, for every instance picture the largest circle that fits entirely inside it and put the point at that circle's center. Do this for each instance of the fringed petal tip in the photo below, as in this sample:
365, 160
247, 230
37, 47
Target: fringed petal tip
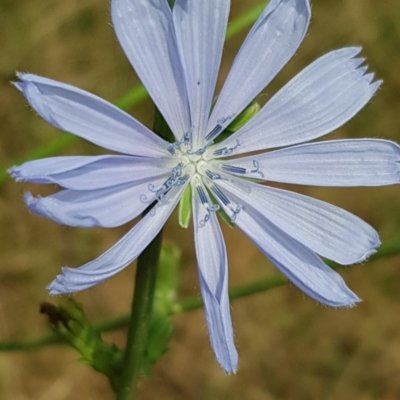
369, 253
20, 174
34, 204
351, 302
366, 76
56, 287
230, 370
71, 280
345, 298
24, 79
18, 85
15, 173
374, 244
50, 207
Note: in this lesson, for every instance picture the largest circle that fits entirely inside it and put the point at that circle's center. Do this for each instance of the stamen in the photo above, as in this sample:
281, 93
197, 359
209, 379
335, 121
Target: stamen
220, 195
201, 151
235, 210
224, 119
218, 128
202, 195
240, 170
225, 151
233, 169
172, 147
187, 137
212, 175
257, 168
176, 179
209, 207
185, 141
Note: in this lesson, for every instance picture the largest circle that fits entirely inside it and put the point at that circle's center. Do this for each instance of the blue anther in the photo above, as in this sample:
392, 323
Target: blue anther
226, 151
201, 151
235, 210
202, 195
233, 169
220, 195
175, 179
186, 141
206, 202
218, 128
214, 132
212, 175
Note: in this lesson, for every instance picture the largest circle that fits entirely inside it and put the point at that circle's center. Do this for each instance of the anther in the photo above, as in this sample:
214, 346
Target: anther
234, 170
212, 175
218, 128
175, 179
256, 169
234, 209
185, 141
215, 131
201, 151
209, 207
226, 151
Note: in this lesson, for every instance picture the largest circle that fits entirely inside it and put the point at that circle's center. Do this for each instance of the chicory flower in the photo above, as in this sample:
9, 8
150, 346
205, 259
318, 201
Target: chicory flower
177, 54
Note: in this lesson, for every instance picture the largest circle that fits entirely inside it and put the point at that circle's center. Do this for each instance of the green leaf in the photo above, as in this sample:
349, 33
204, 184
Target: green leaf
71, 325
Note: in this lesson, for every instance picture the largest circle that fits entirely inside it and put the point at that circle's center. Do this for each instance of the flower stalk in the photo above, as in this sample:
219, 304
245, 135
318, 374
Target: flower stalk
142, 302
145, 281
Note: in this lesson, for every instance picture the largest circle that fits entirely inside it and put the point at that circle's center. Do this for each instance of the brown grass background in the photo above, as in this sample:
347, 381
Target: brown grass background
289, 346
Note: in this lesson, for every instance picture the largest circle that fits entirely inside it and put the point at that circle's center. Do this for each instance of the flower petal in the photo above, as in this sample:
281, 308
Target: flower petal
146, 33
121, 254
271, 42
325, 229
91, 172
88, 116
109, 207
200, 29
359, 162
213, 275
300, 264
320, 99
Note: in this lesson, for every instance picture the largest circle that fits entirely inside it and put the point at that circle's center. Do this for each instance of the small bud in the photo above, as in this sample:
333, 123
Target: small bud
71, 324
245, 116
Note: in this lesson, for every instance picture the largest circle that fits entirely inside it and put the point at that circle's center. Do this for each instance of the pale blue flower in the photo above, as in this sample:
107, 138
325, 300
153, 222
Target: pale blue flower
177, 56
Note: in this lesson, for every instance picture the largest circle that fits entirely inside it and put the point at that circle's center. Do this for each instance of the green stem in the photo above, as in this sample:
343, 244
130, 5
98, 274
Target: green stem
142, 303
138, 325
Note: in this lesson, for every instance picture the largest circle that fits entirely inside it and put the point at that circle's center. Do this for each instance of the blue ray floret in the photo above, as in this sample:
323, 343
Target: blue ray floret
177, 54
